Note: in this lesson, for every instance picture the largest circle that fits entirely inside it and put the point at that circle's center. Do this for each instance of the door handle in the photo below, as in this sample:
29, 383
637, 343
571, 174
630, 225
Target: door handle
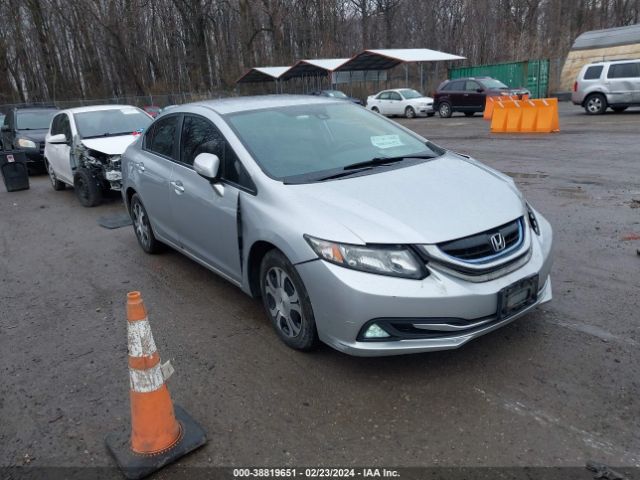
466, 94
178, 187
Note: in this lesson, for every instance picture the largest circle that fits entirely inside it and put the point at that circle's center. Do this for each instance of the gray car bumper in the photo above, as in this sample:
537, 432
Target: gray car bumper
345, 300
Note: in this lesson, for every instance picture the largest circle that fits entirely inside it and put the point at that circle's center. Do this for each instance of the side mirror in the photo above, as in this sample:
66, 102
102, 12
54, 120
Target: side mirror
58, 139
480, 90
207, 165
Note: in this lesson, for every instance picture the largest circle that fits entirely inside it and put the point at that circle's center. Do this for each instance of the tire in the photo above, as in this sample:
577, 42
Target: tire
469, 114
595, 104
142, 227
88, 189
409, 112
375, 109
55, 183
286, 302
618, 109
444, 110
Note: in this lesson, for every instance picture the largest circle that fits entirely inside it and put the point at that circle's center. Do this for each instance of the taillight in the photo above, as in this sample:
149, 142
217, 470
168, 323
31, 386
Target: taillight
575, 86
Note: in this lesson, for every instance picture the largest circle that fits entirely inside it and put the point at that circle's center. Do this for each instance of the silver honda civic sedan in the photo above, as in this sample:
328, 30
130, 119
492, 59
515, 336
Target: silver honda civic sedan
352, 230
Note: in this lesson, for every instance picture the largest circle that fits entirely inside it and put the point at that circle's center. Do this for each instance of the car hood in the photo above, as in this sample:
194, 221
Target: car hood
443, 199
110, 145
35, 135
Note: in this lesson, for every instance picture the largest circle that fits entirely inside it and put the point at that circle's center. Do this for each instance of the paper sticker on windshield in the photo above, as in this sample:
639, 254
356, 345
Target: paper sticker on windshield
386, 141
129, 110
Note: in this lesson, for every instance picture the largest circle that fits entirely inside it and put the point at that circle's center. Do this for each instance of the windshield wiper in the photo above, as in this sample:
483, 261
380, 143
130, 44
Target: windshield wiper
369, 164
384, 161
107, 134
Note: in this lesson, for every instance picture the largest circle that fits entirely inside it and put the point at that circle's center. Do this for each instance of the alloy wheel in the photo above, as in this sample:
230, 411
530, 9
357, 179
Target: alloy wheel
594, 104
283, 302
141, 224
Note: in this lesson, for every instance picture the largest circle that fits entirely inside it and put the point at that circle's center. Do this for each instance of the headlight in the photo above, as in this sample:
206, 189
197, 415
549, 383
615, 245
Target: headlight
26, 143
395, 261
533, 221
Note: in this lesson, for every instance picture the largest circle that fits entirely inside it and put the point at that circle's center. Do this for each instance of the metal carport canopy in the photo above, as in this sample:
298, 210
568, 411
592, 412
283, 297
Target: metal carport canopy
315, 67
386, 59
262, 74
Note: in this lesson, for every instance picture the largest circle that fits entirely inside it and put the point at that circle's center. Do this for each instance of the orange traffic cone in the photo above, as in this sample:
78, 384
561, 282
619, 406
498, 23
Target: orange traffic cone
159, 435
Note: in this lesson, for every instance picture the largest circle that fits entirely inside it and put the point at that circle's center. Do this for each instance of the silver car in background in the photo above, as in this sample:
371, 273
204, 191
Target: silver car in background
613, 84
352, 229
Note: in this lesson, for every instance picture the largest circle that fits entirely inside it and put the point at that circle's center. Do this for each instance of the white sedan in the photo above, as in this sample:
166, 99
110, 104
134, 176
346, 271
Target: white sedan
402, 101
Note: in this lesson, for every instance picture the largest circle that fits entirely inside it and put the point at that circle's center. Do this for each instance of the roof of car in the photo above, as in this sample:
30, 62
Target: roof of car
224, 106
97, 108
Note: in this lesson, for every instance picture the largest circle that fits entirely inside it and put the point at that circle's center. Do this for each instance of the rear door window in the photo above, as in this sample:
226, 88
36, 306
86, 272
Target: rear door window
456, 86
383, 96
624, 70
593, 73
161, 139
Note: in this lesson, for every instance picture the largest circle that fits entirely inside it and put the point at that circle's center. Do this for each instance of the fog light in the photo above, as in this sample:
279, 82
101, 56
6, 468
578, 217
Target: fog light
375, 331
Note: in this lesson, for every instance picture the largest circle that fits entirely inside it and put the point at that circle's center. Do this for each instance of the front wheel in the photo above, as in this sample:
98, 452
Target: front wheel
596, 104
444, 110
409, 112
88, 190
286, 302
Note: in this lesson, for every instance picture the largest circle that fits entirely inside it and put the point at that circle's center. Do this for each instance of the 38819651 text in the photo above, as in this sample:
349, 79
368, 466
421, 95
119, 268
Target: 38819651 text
315, 472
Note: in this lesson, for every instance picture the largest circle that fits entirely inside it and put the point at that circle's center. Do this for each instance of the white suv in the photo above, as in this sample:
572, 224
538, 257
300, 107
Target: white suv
614, 84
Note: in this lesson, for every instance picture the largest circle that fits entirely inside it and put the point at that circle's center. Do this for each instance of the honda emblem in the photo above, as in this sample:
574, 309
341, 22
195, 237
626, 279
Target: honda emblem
497, 242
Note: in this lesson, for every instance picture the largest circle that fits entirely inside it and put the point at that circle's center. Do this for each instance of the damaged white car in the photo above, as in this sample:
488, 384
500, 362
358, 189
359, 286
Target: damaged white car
84, 145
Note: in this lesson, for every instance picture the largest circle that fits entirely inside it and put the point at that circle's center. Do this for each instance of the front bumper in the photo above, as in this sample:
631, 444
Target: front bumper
35, 156
344, 300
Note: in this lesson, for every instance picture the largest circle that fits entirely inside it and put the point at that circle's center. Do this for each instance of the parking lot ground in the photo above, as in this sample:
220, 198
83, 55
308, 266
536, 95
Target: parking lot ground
557, 387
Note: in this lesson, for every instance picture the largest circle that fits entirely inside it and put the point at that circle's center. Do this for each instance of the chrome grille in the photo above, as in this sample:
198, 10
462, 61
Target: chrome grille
478, 248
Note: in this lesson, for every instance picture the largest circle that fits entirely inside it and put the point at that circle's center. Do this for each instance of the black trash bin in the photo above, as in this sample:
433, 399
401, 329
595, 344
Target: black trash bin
13, 165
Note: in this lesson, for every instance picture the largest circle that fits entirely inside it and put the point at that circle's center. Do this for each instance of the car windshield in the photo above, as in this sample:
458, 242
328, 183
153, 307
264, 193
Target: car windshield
34, 120
109, 123
409, 93
493, 84
310, 141
335, 94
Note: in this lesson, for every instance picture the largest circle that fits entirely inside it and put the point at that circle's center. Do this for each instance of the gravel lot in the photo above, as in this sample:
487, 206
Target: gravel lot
556, 388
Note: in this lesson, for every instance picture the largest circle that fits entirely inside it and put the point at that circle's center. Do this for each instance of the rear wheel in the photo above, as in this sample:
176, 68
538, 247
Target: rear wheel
596, 104
55, 183
142, 226
618, 109
444, 110
88, 189
409, 112
286, 302
375, 109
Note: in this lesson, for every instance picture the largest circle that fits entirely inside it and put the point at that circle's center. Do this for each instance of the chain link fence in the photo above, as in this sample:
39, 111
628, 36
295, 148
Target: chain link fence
162, 100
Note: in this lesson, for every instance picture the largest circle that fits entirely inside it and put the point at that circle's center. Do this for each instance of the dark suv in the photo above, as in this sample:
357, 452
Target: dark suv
24, 129
468, 95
